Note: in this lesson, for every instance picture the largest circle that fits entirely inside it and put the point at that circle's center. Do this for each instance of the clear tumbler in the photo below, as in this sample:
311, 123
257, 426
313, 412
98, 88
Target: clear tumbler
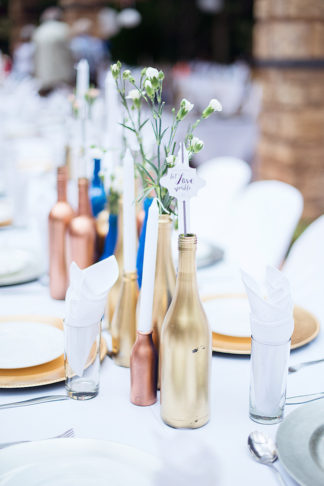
82, 360
269, 369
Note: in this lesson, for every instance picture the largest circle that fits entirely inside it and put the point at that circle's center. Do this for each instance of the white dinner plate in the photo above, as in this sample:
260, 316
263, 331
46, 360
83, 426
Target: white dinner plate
24, 344
300, 444
13, 260
228, 316
21, 266
77, 462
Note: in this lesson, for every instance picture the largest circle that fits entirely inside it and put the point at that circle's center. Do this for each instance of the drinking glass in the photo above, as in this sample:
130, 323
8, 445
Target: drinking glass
269, 369
82, 360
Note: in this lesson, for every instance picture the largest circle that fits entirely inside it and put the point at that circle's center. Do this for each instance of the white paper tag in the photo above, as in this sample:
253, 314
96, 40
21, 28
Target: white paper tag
182, 181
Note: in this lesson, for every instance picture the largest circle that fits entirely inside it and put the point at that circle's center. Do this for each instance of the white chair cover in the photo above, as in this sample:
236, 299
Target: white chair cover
305, 267
262, 224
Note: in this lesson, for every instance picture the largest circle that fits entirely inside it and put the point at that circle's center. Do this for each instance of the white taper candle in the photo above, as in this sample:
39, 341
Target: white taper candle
82, 79
129, 216
147, 291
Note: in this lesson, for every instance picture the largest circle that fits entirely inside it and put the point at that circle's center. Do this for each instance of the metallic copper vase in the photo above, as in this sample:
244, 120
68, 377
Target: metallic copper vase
119, 254
185, 349
102, 227
165, 278
58, 221
81, 235
123, 326
143, 368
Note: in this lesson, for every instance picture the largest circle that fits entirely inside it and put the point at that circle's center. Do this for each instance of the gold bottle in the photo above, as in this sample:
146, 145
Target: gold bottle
81, 236
185, 352
165, 278
123, 326
58, 221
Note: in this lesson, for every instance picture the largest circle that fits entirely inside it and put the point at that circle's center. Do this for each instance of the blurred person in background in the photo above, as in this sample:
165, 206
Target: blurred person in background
53, 59
84, 45
23, 56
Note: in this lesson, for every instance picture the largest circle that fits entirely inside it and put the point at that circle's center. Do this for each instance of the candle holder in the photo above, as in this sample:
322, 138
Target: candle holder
143, 368
123, 326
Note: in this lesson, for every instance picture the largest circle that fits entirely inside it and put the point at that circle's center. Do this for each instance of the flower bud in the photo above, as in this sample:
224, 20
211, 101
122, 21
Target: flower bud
185, 108
214, 105
115, 69
196, 145
126, 74
149, 88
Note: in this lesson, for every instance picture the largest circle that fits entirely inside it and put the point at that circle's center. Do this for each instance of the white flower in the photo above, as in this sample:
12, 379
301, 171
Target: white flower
134, 94
170, 159
215, 105
186, 105
152, 73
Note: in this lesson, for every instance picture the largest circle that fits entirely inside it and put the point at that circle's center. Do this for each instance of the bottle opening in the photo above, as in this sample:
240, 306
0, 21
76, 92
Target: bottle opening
187, 241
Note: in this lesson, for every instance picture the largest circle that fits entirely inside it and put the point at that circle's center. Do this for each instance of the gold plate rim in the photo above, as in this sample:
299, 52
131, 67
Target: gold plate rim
45, 374
222, 343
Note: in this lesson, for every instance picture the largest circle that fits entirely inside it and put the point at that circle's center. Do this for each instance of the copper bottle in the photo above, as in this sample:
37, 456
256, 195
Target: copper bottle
58, 221
143, 370
185, 350
81, 236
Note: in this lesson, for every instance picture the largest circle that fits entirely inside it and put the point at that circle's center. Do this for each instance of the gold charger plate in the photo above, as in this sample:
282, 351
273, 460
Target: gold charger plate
306, 329
45, 374
6, 222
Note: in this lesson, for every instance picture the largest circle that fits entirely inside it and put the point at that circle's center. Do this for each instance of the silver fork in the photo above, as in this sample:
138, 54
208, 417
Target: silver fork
68, 433
297, 367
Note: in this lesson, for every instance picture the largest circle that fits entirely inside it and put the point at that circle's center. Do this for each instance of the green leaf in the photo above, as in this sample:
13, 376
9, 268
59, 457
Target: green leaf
126, 126
144, 123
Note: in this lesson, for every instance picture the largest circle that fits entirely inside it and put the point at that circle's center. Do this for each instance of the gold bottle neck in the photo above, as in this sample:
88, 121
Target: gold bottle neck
187, 245
164, 237
84, 203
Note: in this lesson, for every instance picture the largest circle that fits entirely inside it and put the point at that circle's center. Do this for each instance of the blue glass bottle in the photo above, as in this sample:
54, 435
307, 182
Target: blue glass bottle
111, 238
97, 193
141, 243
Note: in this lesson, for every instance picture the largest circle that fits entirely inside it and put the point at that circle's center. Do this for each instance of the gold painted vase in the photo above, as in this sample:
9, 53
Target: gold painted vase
123, 326
185, 349
165, 278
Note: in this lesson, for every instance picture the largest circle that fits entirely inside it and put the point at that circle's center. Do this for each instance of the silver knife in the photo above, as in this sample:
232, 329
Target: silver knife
34, 401
299, 399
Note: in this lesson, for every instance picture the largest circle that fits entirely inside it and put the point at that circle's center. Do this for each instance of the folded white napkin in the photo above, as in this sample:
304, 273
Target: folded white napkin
271, 315
84, 307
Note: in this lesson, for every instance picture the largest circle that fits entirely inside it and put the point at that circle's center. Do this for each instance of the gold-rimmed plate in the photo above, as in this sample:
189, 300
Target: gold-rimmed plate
306, 329
45, 374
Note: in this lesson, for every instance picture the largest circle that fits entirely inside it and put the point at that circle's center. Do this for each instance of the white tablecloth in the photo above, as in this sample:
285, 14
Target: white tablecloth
213, 455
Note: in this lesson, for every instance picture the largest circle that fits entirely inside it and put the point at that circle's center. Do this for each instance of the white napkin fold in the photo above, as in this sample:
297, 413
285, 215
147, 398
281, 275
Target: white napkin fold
84, 307
271, 315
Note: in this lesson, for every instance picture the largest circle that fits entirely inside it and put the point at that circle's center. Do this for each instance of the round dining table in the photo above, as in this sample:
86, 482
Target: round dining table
216, 454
